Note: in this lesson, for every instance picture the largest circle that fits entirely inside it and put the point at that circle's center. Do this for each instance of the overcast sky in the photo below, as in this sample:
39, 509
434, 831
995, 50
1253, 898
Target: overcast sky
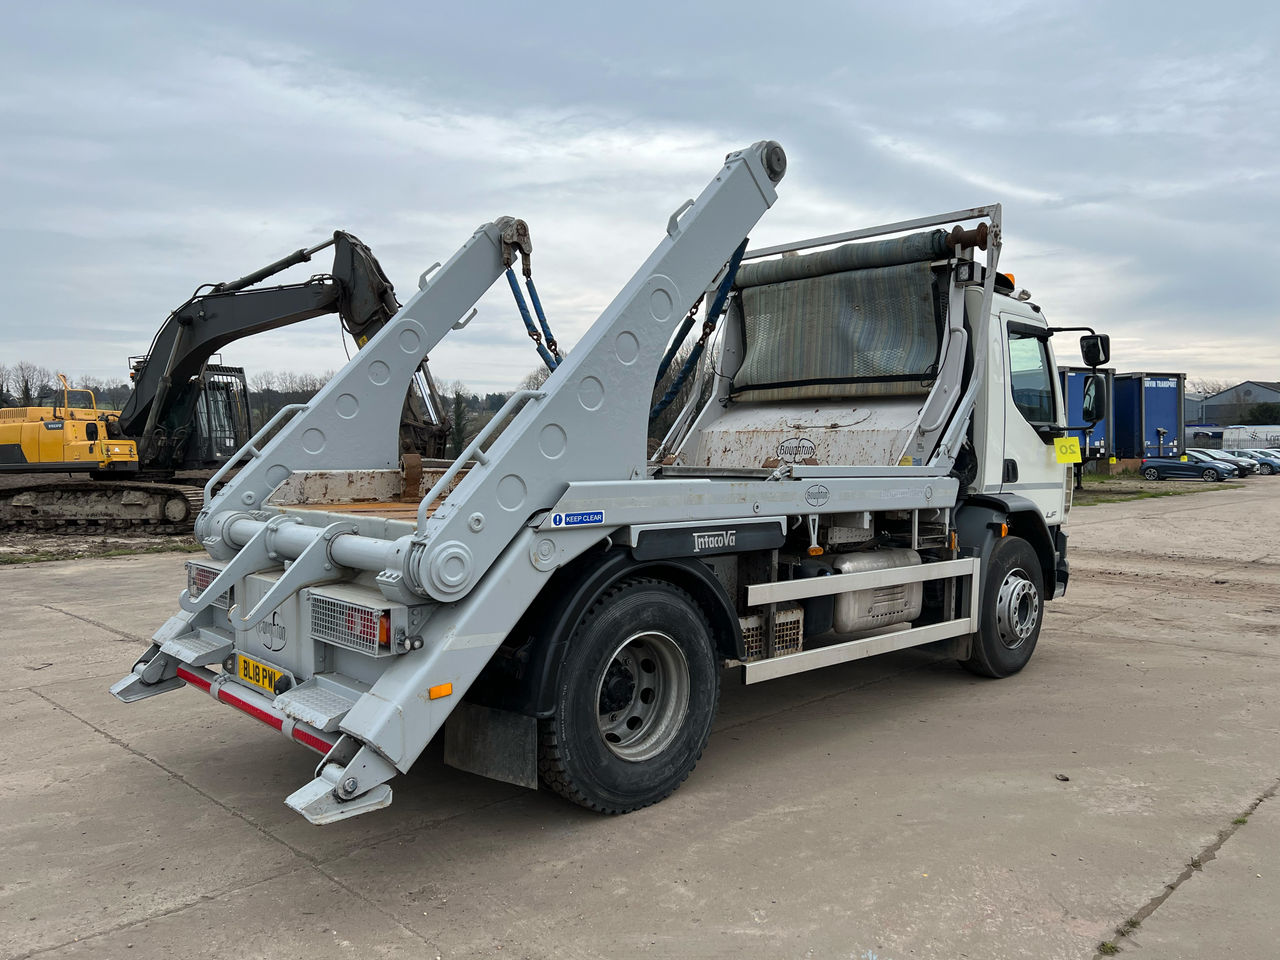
151, 147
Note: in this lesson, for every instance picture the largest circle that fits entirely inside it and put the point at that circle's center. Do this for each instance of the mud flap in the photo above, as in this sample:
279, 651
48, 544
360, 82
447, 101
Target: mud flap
493, 743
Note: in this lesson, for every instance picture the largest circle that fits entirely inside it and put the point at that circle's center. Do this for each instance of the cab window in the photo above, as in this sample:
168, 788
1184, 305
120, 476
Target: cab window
1031, 378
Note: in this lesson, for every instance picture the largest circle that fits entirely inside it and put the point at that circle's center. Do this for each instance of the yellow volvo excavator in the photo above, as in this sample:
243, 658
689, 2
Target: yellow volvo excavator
186, 416
69, 436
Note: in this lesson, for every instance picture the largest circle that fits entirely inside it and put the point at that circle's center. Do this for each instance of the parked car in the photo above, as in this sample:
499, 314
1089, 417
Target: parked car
1195, 466
1268, 462
1245, 465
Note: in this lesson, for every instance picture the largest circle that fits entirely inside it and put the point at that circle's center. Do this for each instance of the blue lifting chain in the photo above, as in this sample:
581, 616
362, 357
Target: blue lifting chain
549, 351
708, 327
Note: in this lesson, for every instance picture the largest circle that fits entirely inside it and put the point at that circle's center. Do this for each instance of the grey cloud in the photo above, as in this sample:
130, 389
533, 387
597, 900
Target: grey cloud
148, 148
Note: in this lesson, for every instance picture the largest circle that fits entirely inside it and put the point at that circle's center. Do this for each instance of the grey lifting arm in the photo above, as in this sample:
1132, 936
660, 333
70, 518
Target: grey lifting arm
354, 420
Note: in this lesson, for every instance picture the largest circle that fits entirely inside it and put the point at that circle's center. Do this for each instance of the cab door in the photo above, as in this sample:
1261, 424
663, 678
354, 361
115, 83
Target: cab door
1034, 419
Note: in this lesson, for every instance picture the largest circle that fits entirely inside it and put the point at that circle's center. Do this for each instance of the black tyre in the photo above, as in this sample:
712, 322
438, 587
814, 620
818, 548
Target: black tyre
1012, 610
1210, 475
1151, 473
637, 693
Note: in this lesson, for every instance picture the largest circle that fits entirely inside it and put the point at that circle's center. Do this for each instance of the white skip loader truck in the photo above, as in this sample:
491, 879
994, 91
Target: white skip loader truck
875, 457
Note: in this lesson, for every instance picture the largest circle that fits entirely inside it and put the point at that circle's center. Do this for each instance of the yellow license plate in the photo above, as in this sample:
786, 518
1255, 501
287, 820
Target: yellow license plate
257, 674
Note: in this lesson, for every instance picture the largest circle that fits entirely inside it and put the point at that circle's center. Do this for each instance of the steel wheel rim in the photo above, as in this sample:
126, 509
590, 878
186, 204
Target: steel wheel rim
1017, 609
642, 696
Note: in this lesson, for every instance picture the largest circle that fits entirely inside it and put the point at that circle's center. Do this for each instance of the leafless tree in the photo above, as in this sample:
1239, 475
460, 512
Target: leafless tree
535, 378
263, 381
1208, 386
30, 382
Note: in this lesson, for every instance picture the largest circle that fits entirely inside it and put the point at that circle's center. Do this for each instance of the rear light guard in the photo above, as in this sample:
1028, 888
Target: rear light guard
360, 619
200, 574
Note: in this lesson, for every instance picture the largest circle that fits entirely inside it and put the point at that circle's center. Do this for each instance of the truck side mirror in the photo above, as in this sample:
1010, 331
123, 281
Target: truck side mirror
1094, 402
1095, 348
91, 431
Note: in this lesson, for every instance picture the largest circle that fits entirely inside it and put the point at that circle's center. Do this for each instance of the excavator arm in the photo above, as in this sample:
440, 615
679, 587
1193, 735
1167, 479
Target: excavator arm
356, 289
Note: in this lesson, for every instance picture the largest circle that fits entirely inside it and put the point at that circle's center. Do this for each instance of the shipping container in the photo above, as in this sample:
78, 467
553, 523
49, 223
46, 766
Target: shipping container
1149, 418
1099, 443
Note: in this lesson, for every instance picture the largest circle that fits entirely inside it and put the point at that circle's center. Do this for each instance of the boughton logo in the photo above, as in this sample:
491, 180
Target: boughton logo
796, 450
273, 635
817, 495
714, 541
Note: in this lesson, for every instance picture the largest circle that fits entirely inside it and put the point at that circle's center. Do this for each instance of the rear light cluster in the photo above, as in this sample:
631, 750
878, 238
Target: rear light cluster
370, 625
351, 625
198, 579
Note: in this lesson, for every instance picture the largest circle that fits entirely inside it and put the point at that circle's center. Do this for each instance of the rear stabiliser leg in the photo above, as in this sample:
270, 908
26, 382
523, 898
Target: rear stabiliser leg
350, 780
156, 671
153, 674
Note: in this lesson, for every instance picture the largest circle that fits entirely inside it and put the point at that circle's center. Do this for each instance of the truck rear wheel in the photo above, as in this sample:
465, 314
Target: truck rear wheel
1012, 610
635, 699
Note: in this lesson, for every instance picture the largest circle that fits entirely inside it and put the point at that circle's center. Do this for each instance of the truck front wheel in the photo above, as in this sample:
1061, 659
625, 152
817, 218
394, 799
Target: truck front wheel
1012, 610
635, 699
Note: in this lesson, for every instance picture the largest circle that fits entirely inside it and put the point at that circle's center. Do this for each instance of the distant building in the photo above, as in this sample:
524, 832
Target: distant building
1192, 406
1233, 405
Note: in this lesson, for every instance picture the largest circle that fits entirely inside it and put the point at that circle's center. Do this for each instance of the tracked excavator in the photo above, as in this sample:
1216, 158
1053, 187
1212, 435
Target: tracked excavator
187, 416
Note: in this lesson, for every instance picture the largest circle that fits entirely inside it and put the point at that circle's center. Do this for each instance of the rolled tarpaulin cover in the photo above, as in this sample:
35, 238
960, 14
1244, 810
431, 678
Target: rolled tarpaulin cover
927, 245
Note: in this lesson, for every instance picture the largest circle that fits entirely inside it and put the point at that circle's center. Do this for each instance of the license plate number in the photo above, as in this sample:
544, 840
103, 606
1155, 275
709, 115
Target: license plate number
257, 674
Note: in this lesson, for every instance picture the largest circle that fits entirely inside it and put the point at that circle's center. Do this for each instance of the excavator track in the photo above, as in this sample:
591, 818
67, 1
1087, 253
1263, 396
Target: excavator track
81, 507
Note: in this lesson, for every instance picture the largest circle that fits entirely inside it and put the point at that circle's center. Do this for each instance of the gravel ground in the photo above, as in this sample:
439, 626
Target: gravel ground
891, 808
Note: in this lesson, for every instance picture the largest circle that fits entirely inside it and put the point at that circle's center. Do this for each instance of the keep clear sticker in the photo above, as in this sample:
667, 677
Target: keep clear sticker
1068, 449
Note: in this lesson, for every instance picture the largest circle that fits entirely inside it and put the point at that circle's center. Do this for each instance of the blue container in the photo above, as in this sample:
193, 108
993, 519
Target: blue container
1145, 405
1073, 380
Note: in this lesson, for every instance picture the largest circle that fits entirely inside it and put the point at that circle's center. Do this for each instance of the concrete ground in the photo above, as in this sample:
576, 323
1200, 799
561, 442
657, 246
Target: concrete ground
880, 810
